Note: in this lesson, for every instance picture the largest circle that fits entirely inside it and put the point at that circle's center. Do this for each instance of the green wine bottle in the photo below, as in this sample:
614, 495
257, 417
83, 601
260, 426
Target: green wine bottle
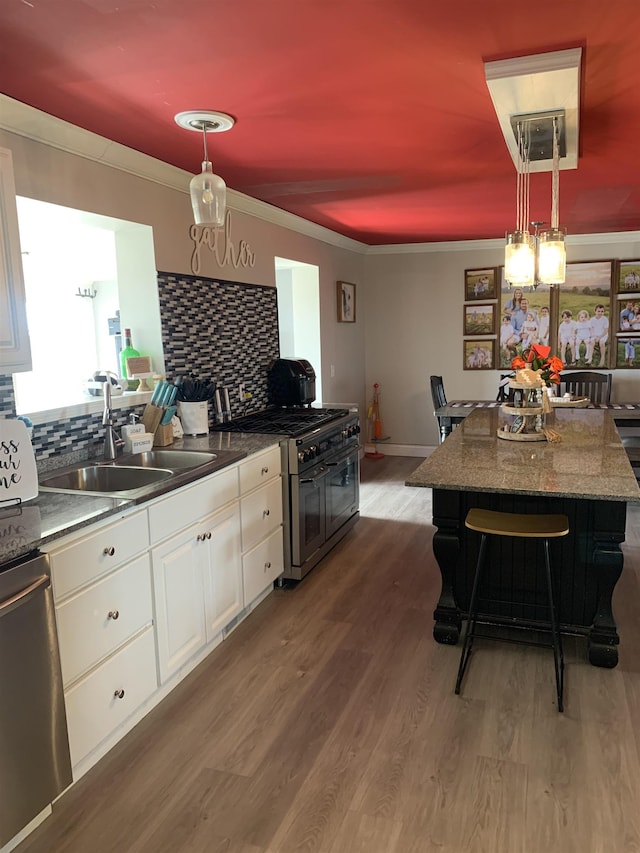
127, 352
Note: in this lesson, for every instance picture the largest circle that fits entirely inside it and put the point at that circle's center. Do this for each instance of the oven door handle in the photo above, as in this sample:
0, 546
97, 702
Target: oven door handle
344, 457
322, 471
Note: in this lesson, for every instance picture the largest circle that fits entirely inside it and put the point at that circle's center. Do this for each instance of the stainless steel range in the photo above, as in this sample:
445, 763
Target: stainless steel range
321, 477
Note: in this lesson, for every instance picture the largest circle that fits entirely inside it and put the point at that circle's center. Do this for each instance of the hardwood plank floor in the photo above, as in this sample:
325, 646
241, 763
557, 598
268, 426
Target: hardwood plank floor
327, 723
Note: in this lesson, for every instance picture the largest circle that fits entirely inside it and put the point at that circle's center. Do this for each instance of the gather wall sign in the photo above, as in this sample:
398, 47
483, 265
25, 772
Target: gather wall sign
219, 241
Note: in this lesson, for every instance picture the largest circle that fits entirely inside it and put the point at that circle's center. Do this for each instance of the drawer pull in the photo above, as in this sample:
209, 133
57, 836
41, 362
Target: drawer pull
267, 565
265, 470
208, 534
265, 513
202, 536
118, 694
113, 614
109, 552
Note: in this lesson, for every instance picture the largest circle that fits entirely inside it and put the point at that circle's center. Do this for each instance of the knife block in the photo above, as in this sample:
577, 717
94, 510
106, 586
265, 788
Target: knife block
163, 436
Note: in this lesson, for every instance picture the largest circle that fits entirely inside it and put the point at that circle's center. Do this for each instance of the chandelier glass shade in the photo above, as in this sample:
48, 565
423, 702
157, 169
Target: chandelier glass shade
208, 196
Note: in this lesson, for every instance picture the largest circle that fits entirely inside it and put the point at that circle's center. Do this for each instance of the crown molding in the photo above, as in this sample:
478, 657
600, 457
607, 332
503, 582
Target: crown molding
24, 120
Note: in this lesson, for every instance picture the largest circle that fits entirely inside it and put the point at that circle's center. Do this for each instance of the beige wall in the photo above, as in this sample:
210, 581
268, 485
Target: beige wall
414, 328
49, 174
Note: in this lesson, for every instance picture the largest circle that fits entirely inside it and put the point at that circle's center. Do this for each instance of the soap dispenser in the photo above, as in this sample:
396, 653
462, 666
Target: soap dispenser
131, 429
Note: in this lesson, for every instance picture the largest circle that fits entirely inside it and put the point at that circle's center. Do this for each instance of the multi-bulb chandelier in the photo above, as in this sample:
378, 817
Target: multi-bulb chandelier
208, 191
538, 258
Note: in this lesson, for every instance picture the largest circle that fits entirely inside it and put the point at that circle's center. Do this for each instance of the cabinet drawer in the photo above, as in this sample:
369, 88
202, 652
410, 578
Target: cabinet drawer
260, 468
261, 513
177, 511
85, 559
262, 565
97, 620
94, 711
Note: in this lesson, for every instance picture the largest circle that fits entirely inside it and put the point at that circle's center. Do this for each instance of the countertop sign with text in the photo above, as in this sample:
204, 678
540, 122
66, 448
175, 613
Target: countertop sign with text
218, 241
18, 474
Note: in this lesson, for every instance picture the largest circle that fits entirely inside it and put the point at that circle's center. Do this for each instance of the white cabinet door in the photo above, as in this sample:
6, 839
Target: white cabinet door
179, 600
223, 569
15, 350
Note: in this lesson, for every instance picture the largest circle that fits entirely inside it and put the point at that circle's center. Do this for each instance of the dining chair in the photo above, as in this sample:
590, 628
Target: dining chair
439, 399
586, 383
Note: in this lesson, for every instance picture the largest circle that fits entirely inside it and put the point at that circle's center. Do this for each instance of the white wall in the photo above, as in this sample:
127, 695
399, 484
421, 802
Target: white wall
414, 298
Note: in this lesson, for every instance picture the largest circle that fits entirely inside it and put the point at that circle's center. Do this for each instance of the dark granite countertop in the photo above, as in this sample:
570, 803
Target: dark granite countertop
52, 514
589, 461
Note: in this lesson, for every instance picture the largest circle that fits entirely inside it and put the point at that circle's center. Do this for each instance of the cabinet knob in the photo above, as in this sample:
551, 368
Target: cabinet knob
208, 534
199, 537
118, 694
265, 470
113, 614
267, 565
109, 552
265, 513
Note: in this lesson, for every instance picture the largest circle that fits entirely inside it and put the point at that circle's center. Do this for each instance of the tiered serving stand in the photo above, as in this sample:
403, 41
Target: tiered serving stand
527, 411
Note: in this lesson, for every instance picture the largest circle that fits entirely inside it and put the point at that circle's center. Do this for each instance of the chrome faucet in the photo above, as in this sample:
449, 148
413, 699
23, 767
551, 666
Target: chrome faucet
111, 440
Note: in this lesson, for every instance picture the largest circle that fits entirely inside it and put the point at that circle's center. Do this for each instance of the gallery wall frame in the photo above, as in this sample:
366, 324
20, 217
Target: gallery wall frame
584, 328
346, 293
479, 319
479, 354
480, 284
627, 276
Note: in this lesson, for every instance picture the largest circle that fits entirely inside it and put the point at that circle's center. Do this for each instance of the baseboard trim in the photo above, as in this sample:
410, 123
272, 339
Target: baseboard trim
418, 450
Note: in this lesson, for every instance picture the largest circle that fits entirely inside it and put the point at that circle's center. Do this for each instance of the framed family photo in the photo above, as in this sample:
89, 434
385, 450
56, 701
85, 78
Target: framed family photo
346, 302
628, 350
628, 276
479, 319
479, 354
585, 325
480, 284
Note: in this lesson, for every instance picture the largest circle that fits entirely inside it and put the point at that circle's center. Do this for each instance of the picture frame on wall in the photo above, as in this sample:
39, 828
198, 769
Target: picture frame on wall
627, 308
628, 350
585, 338
346, 293
479, 354
480, 284
479, 319
515, 304
628, 276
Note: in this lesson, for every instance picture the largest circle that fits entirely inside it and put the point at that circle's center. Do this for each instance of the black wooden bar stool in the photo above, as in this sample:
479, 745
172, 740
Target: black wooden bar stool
545, 527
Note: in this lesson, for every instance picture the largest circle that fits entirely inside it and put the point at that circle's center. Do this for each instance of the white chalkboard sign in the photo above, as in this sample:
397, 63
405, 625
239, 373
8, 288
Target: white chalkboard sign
18, 474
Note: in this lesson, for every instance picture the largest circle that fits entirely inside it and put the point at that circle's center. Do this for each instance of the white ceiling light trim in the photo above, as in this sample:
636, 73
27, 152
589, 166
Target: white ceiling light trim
537, 84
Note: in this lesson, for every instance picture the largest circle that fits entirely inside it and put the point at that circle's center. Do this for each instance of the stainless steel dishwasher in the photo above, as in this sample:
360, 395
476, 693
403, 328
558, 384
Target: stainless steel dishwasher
34, 749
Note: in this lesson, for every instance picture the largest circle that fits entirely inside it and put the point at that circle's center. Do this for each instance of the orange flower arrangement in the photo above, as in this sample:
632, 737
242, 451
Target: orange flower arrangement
539, 358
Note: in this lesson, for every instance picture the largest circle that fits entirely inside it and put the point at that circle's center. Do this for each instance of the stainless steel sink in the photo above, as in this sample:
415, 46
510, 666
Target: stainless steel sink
173, 459
105, 479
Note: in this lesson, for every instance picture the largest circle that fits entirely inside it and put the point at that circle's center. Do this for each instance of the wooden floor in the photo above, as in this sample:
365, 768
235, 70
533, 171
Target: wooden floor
327, 722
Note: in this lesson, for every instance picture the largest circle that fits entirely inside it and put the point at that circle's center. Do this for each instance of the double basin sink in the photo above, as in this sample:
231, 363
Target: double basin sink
136, 474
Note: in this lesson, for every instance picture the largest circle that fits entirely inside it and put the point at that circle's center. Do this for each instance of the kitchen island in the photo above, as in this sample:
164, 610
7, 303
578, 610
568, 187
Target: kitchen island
586, 475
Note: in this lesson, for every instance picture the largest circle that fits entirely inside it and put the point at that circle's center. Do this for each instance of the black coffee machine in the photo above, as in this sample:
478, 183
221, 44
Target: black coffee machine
291, 382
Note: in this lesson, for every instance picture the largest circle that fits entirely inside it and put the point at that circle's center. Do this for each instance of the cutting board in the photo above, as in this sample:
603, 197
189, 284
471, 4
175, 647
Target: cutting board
18, 474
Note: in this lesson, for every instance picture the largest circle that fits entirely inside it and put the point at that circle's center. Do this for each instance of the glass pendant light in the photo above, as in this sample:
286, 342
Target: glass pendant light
208, 193
207, 190
519, 253
552, 254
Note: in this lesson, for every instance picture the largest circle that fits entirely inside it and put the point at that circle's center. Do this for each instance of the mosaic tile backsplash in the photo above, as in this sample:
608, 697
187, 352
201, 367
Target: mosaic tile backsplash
214, 329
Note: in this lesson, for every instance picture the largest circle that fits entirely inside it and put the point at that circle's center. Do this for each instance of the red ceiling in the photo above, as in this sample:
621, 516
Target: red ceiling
370, 117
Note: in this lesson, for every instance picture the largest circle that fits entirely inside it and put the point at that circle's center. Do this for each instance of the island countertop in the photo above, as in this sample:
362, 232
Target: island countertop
589, 461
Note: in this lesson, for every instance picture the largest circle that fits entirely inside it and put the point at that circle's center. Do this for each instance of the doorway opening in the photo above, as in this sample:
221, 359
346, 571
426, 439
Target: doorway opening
298, 286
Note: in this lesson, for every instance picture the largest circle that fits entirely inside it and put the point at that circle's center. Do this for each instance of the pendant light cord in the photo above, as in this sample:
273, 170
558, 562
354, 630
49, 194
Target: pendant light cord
204, 134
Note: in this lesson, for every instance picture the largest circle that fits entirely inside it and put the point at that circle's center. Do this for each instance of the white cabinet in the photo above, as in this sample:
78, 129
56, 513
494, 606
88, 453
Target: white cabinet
104, 615
197, 573
261, 513
15, 350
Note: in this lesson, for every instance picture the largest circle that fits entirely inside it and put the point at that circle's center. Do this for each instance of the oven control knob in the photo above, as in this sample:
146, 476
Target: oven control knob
302, 456
314, 451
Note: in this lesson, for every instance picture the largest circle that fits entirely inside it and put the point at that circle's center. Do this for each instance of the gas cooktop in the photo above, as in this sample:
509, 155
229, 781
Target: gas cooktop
289, 421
